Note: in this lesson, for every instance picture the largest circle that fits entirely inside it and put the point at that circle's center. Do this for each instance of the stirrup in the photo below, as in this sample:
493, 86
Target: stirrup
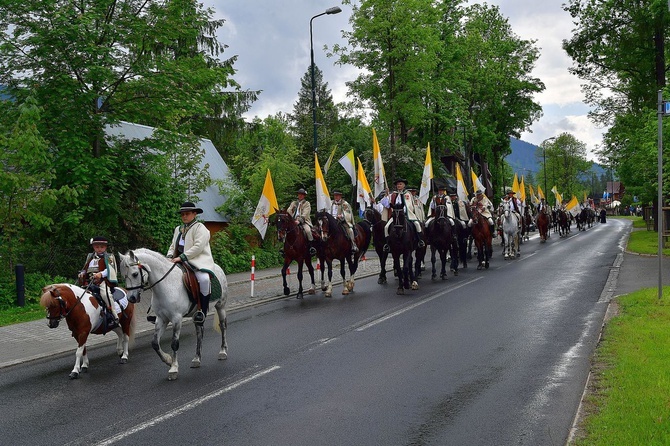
422, 244
151, 318
354, 248
386, 248
312, 251
199, 317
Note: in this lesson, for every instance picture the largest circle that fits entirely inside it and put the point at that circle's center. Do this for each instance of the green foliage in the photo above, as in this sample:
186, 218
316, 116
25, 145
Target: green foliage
232, 250
34, 282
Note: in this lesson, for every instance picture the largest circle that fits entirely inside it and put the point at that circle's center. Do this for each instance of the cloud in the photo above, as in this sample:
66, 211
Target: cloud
272, 41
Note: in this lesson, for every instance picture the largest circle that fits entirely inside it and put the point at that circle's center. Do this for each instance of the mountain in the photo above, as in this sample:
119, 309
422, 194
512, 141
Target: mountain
527, 157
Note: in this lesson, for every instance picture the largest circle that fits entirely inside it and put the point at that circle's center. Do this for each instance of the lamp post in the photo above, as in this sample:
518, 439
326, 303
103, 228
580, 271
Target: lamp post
333, 10
544, 161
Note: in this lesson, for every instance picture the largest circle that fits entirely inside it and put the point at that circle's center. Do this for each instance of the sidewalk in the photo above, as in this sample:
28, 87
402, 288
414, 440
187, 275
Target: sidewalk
35, 340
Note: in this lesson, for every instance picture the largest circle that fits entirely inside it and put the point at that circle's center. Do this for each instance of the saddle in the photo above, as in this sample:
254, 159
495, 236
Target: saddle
191, 284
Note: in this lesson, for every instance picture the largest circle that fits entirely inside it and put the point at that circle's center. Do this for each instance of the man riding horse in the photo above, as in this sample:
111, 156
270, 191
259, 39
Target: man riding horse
441, 199
402, 199
484, 206
300, 209
515, 204
341, 210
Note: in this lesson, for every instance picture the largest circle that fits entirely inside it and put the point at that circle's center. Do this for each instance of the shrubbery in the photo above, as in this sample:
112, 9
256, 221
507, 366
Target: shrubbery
34, 282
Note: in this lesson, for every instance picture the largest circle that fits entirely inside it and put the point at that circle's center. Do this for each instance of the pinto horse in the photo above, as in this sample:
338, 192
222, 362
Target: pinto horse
402, 244
336, 245
440, 236
374, 218
543, 226
144, 269
296, 247
482, 237
84, 316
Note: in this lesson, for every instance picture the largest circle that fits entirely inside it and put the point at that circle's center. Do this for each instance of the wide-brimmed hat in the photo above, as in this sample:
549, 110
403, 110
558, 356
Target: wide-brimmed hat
452, 191
479, 192
99, 240
301, 191
187, 206
337, 192
508, 190
400, 180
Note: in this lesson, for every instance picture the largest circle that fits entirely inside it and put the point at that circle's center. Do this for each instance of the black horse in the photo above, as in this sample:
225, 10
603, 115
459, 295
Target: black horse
335, 245
440, 235
296, 247
374, 218
402, 242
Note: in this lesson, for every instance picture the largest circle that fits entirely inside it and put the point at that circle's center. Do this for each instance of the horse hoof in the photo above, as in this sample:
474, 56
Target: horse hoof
311, 291
381, 280
172, 376
415, 285
486, 265
195, 363
479, 267
444, 277
433, 277
324, 288
223, 355
287, 291
345, 292
84, 369
400, 291
123, 361
74, 375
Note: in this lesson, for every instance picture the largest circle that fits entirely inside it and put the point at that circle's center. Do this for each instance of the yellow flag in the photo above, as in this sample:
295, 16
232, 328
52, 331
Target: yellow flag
515, 186
363, 189
540, 193
522, 190
326, 166
424, 190
267, 206
347, 161
461, 190
322, 195
573, 206
380, 175
476, 184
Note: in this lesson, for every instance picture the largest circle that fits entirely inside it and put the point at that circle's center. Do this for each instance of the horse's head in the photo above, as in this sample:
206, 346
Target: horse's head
285, 224
325, 223
372, 215
441, 211
135, 274
399, 221
54, 303
506, 208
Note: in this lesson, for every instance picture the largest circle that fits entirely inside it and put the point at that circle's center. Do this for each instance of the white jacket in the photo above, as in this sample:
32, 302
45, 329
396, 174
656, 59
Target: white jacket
196, 246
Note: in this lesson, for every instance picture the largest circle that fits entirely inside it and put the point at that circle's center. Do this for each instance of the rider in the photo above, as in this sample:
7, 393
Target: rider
341, 210
100, 276
460, 210
190, 243
542, 206
441, 198
515, 204
403, 199
484, 205
300, 209
418, 206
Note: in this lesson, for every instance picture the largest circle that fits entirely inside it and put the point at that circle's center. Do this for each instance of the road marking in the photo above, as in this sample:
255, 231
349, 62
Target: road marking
186, 407
414, 305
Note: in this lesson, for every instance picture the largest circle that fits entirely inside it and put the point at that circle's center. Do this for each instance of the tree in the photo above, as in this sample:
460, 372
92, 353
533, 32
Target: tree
564, 163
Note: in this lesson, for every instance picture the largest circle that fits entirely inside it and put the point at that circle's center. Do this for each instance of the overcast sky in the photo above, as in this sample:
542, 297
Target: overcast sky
271, 40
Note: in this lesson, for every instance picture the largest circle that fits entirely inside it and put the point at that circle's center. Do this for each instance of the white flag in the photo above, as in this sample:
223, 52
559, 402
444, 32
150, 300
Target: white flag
424, 191
461, 190
267, 206
322, 195
347, 162
380, 175
363, 190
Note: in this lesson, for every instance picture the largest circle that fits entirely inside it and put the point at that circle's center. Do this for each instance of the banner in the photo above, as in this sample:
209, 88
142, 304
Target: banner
461, 190
522, 191
426, 178
347, 161
573, 206
363, 189
326, 167
267, 206
380, 174
476, 182
322, 195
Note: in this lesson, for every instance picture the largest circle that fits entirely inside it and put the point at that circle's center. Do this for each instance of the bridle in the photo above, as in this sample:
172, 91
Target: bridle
282, 231
143, 271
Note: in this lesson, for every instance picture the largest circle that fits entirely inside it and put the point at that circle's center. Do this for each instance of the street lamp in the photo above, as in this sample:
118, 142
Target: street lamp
333, 10
544, 160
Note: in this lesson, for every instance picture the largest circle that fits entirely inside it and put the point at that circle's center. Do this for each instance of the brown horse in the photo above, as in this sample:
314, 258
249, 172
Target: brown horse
374, 218
296, 247
543, 226
482, 237
336, 245
84, 316
441, 237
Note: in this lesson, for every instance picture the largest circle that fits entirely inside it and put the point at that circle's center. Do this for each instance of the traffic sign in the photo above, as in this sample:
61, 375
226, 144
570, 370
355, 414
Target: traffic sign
666, 105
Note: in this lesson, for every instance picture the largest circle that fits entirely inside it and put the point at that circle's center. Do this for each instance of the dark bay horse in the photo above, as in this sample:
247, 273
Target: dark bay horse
296, 247
402, 244
563, 223
543, 226
85, 316
377, 224
336, 245
482, 237
440, 236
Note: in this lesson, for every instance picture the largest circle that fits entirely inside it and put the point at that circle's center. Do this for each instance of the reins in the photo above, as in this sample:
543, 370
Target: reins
141, 285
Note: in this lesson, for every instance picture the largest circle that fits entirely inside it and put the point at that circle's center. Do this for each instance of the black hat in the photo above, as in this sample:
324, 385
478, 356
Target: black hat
452, 191
99, 240
337, 192
301, 191
187, 206
479, 192
400, 180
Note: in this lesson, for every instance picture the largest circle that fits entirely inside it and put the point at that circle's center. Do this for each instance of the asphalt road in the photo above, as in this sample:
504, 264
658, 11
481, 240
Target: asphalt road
495, 357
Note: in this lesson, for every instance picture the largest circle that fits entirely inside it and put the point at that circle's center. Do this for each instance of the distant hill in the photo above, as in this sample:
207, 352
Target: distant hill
523, 158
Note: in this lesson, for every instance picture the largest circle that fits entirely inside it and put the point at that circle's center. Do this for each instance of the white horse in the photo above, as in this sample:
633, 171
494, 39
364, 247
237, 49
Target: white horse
144, 269
510, 226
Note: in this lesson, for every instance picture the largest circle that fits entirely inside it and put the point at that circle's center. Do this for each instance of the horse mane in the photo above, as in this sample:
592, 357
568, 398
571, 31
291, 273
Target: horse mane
47, 298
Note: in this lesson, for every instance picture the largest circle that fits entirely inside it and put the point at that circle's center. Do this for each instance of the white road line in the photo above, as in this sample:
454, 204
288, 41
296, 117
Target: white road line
186, 407
414, 305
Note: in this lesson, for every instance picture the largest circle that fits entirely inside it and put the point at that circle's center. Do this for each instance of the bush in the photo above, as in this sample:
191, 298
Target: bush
34, 282
233, 247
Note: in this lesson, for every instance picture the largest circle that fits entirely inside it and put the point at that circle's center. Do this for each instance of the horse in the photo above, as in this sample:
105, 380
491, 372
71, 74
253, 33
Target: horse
563, 223
84, 315
527, 224
543, 226
402, 244
482, 237
510, 228
296, 247
377, 224
440, 235
144, 269
335, 244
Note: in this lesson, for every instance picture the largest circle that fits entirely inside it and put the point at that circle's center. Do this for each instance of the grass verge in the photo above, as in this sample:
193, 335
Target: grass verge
628, 402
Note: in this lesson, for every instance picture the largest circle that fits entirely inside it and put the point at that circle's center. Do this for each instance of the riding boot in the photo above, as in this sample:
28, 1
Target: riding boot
199, 317
312, 249
419, 237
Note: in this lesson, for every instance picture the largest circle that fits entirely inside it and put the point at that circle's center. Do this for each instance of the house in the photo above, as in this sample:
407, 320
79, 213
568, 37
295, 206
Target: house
614, 191
210, 199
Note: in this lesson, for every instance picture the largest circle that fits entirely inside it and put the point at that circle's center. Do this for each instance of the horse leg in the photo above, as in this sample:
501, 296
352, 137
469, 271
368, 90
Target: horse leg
174, 368
443, 257
199, 333
299, 295
329, 285
343, 274
310, 270
413, 276
221, 321
122, 344
382, 265
80, 354
284, 269
433, 259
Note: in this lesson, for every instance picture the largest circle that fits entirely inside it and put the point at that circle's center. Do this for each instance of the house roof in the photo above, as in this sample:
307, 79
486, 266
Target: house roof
210, 198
